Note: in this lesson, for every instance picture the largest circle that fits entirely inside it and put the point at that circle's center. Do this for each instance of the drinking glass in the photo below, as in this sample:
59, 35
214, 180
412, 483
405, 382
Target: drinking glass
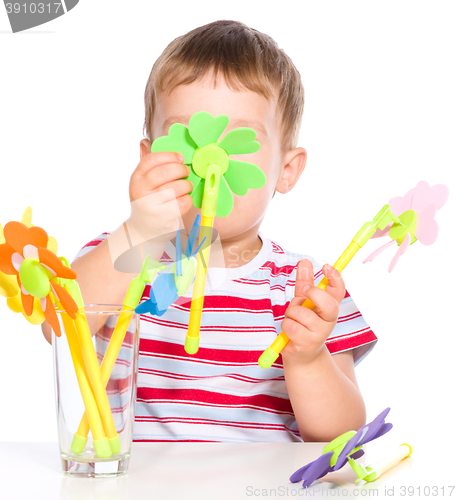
120, 388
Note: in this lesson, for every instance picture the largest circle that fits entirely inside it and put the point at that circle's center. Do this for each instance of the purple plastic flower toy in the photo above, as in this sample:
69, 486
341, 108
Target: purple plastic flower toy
347, 448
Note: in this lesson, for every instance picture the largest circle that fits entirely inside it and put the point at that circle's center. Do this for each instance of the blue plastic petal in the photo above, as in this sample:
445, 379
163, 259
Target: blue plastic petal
143, 308
178, 254
165, 291
192, 236
198, 248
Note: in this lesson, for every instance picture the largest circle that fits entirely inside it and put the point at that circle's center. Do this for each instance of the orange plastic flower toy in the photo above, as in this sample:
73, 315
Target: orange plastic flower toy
25, 256
8, 283
43, 278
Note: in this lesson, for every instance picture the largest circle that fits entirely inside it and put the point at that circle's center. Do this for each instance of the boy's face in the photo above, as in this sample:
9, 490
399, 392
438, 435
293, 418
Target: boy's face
245, 109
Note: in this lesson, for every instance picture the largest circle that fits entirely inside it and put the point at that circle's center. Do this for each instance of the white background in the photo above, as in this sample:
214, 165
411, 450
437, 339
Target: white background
380, 110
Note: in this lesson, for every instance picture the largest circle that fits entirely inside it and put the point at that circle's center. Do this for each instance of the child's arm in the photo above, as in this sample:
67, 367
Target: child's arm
99, 282
322, 388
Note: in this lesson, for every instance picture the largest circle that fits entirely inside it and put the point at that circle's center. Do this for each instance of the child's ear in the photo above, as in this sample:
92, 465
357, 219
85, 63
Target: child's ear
294, 162
144, 147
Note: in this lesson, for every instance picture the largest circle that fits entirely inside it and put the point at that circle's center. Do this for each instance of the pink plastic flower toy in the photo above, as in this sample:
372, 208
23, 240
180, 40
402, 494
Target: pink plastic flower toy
418, 209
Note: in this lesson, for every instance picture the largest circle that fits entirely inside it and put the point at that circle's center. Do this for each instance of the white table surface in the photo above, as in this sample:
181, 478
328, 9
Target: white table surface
203, 470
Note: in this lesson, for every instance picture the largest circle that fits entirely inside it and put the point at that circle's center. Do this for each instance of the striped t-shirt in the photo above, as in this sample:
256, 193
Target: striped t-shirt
221, 394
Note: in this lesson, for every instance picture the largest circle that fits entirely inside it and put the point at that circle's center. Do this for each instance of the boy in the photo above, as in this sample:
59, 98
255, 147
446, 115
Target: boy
220, 393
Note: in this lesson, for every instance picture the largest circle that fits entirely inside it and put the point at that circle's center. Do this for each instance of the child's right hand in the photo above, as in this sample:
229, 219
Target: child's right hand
159, 193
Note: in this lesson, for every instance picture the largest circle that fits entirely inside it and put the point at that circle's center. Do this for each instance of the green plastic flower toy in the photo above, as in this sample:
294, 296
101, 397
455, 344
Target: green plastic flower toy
198, 143
215, 177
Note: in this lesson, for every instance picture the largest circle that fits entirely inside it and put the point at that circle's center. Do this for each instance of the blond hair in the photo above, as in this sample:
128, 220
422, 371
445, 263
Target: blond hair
244, 57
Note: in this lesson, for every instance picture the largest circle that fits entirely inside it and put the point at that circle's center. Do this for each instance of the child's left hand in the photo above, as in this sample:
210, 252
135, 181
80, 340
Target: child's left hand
308, 329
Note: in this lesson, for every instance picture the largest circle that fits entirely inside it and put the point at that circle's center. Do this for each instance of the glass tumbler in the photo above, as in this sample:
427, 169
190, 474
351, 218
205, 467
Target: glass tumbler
95, 369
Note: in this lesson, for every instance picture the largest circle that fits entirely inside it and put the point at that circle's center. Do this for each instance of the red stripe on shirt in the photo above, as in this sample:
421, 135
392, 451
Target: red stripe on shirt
95, 242
178, 376
261, 402
203, 354
350, 341
173, 441
210, 328
207, 421
278, 270
276, 248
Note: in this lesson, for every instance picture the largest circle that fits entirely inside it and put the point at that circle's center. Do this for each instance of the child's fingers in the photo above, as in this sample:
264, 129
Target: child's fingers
152, 160
304, 317
326, 306
160, 175
158, 212
308, 336
180, 187
152, 183
185, 203
336, 285
304, 276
